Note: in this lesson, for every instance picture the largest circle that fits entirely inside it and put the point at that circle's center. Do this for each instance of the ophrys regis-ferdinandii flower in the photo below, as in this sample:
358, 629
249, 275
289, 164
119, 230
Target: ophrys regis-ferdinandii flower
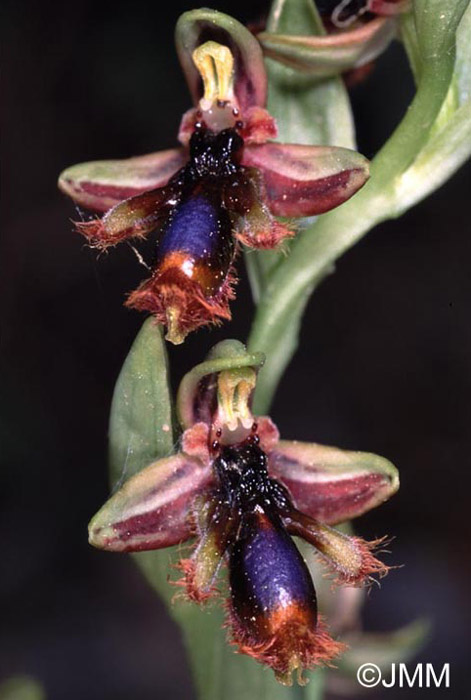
241, 492
223, 187
357, 32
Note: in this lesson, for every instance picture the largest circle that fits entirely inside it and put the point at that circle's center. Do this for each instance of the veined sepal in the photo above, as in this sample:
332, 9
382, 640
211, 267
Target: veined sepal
100, 185
307, 180
325, 56
329, 484
152, 509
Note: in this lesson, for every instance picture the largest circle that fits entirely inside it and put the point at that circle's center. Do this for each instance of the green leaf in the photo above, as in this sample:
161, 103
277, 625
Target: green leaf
141, 420
463, 58
429, 144
384, 649
21, 688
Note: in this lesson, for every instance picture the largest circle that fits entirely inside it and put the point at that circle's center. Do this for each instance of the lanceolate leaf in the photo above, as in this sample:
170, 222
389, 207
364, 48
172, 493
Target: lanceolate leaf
384, 649
141, 424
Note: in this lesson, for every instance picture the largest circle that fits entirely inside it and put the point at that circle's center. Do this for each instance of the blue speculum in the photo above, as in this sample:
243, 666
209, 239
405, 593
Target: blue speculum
268, 576
194, 227
191, 282
198, 238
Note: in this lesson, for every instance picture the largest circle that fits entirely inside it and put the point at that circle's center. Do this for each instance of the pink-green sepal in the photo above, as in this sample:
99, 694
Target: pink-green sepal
152, 509
324, 56
307, 180
100, 185
329, 484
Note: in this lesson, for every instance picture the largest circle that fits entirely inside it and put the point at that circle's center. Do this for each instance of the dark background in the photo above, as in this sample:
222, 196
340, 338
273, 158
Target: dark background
384, 357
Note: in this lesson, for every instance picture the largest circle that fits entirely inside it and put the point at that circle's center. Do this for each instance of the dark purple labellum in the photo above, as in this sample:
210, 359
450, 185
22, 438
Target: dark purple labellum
273, 610
270, 583
191, 283
198, 240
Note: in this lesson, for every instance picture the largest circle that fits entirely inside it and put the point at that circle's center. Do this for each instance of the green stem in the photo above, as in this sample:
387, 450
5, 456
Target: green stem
314, 253
315, 688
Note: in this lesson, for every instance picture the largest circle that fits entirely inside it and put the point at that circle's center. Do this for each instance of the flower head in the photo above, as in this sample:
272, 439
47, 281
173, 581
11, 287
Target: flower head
357, 31
242, 493
223, 187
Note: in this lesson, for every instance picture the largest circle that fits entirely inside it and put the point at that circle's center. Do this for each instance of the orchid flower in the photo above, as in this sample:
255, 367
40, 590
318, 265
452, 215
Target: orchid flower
357, 32
224, 186
241, 493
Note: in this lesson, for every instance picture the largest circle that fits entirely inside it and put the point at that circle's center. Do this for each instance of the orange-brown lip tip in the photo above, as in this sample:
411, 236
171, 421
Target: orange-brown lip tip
180, 304
294, 647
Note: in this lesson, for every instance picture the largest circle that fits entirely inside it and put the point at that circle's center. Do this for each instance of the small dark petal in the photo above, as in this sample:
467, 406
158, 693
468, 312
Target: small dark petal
216, 528
246, 199
350, 558
133, 218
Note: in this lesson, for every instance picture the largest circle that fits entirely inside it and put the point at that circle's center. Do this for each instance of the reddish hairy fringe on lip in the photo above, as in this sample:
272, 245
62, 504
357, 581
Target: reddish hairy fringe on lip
172, 292
187, 582
294, 646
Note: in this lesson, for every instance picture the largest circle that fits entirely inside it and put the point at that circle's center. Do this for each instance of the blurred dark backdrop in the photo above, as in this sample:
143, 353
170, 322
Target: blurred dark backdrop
385, 355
